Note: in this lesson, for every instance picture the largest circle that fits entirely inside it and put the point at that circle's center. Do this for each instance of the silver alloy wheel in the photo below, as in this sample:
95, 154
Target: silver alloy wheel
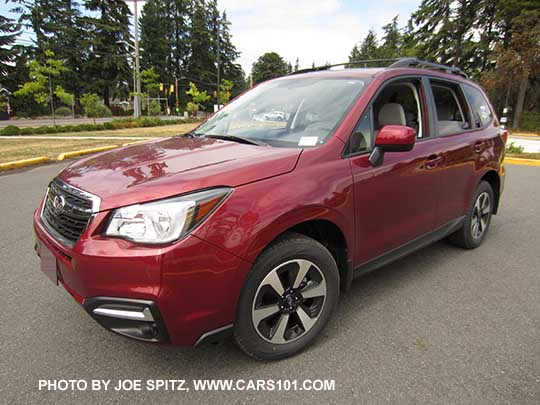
289, 301
480, 215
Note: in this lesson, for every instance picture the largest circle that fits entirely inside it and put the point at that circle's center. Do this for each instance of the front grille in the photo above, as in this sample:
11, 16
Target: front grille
67, 211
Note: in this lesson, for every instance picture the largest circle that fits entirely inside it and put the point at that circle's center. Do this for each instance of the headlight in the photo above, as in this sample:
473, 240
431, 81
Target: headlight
165, 220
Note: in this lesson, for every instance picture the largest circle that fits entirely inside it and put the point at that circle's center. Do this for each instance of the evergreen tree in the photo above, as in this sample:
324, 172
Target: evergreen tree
368, 49
392, 41
202, 59
108, 65
8, 33
157, 38
269, 66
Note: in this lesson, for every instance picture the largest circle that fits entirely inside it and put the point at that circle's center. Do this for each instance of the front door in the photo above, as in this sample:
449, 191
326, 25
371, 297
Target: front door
397, 201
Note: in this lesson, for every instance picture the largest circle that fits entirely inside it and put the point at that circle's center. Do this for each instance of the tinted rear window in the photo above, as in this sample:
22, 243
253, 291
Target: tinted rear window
482, 114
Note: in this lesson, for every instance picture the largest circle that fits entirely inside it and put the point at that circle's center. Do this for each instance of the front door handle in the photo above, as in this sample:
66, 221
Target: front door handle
433, 161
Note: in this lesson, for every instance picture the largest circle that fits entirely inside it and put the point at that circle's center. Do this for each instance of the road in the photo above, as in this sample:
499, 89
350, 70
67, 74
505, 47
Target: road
443, 325
66, 121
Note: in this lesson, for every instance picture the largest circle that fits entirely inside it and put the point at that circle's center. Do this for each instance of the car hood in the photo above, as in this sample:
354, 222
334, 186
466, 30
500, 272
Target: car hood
166, 167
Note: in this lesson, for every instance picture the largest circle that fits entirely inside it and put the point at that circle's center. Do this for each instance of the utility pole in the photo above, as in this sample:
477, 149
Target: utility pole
176, 94
52, 100
137, 78
220, 22
218, 57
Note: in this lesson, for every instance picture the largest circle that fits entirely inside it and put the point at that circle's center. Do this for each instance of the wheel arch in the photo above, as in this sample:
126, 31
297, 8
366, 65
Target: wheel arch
492, 177
320, 223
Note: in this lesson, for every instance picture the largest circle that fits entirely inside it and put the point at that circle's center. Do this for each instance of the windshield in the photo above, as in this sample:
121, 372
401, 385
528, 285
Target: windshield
292, 112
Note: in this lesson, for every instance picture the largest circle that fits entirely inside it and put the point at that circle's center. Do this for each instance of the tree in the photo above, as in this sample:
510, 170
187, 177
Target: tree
92, 106
269, 66
225, 91
368, 49
164, 37
525, 47
8, 33
66, 98
40, 85
149, 81
108, 65
392, 41
197, 99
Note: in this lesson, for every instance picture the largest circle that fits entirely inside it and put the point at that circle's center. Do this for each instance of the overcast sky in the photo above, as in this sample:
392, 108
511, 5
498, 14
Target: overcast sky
312, 30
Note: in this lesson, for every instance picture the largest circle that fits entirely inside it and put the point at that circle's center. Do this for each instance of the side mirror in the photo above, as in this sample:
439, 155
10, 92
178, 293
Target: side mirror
392, 138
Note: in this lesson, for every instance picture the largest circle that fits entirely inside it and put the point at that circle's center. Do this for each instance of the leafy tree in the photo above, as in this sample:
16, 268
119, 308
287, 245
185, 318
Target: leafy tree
40, 84
225, 91
8, 33
524, 49
66, 98
92, 106
149, 82
198, 98
269, 66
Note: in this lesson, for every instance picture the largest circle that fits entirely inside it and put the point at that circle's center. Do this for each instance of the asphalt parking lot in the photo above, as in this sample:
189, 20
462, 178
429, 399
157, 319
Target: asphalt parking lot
440, 326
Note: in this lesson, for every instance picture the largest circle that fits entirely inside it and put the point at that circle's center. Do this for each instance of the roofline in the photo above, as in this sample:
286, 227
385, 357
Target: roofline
402, 62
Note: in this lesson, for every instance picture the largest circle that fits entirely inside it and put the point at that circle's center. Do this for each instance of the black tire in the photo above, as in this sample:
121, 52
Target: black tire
466, 237
284, 258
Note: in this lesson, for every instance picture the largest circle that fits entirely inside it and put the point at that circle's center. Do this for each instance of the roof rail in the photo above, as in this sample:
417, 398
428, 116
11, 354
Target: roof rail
415, 62
354, 62
396, 63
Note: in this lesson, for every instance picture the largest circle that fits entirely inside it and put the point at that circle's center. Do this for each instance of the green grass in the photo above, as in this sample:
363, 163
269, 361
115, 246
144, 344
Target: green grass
15, 148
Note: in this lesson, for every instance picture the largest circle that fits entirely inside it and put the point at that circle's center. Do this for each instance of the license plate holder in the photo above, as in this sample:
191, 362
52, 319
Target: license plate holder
48, 263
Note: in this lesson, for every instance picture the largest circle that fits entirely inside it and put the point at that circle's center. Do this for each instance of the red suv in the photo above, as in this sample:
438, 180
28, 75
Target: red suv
258, 219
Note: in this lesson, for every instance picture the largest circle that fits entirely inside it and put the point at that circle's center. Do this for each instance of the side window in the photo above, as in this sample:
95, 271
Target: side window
452, 111
482, 114
360, 140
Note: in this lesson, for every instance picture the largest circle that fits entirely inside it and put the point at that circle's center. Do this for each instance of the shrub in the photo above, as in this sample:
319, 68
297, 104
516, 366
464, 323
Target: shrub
51, 130
63, 111
40, 130
103, 111
154, 108
11, 130
512, 148
108, 125
27, 131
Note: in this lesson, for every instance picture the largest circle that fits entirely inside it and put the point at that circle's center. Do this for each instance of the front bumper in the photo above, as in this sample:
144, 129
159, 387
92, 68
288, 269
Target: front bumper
189, 288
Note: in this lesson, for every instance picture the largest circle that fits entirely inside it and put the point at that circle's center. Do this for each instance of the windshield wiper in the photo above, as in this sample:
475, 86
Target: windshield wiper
239, 139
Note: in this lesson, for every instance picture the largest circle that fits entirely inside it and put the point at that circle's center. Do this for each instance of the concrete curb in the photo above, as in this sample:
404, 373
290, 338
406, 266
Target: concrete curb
524, 135
68, 155
23, 163
519, 161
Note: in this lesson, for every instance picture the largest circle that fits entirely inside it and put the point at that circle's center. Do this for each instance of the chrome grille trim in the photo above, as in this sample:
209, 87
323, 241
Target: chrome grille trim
78, 211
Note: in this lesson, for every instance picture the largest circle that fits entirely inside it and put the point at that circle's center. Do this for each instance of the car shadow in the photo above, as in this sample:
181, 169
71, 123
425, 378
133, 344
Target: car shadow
365, 292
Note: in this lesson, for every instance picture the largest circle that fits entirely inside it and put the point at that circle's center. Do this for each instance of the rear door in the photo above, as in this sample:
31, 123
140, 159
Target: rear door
464, 134
395, 202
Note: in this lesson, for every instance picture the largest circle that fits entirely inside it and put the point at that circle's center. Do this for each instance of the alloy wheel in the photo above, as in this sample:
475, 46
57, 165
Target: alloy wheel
289, 301
480, 215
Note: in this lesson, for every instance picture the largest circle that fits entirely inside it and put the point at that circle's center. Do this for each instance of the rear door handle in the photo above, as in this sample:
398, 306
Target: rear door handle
433, 161
479, 146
